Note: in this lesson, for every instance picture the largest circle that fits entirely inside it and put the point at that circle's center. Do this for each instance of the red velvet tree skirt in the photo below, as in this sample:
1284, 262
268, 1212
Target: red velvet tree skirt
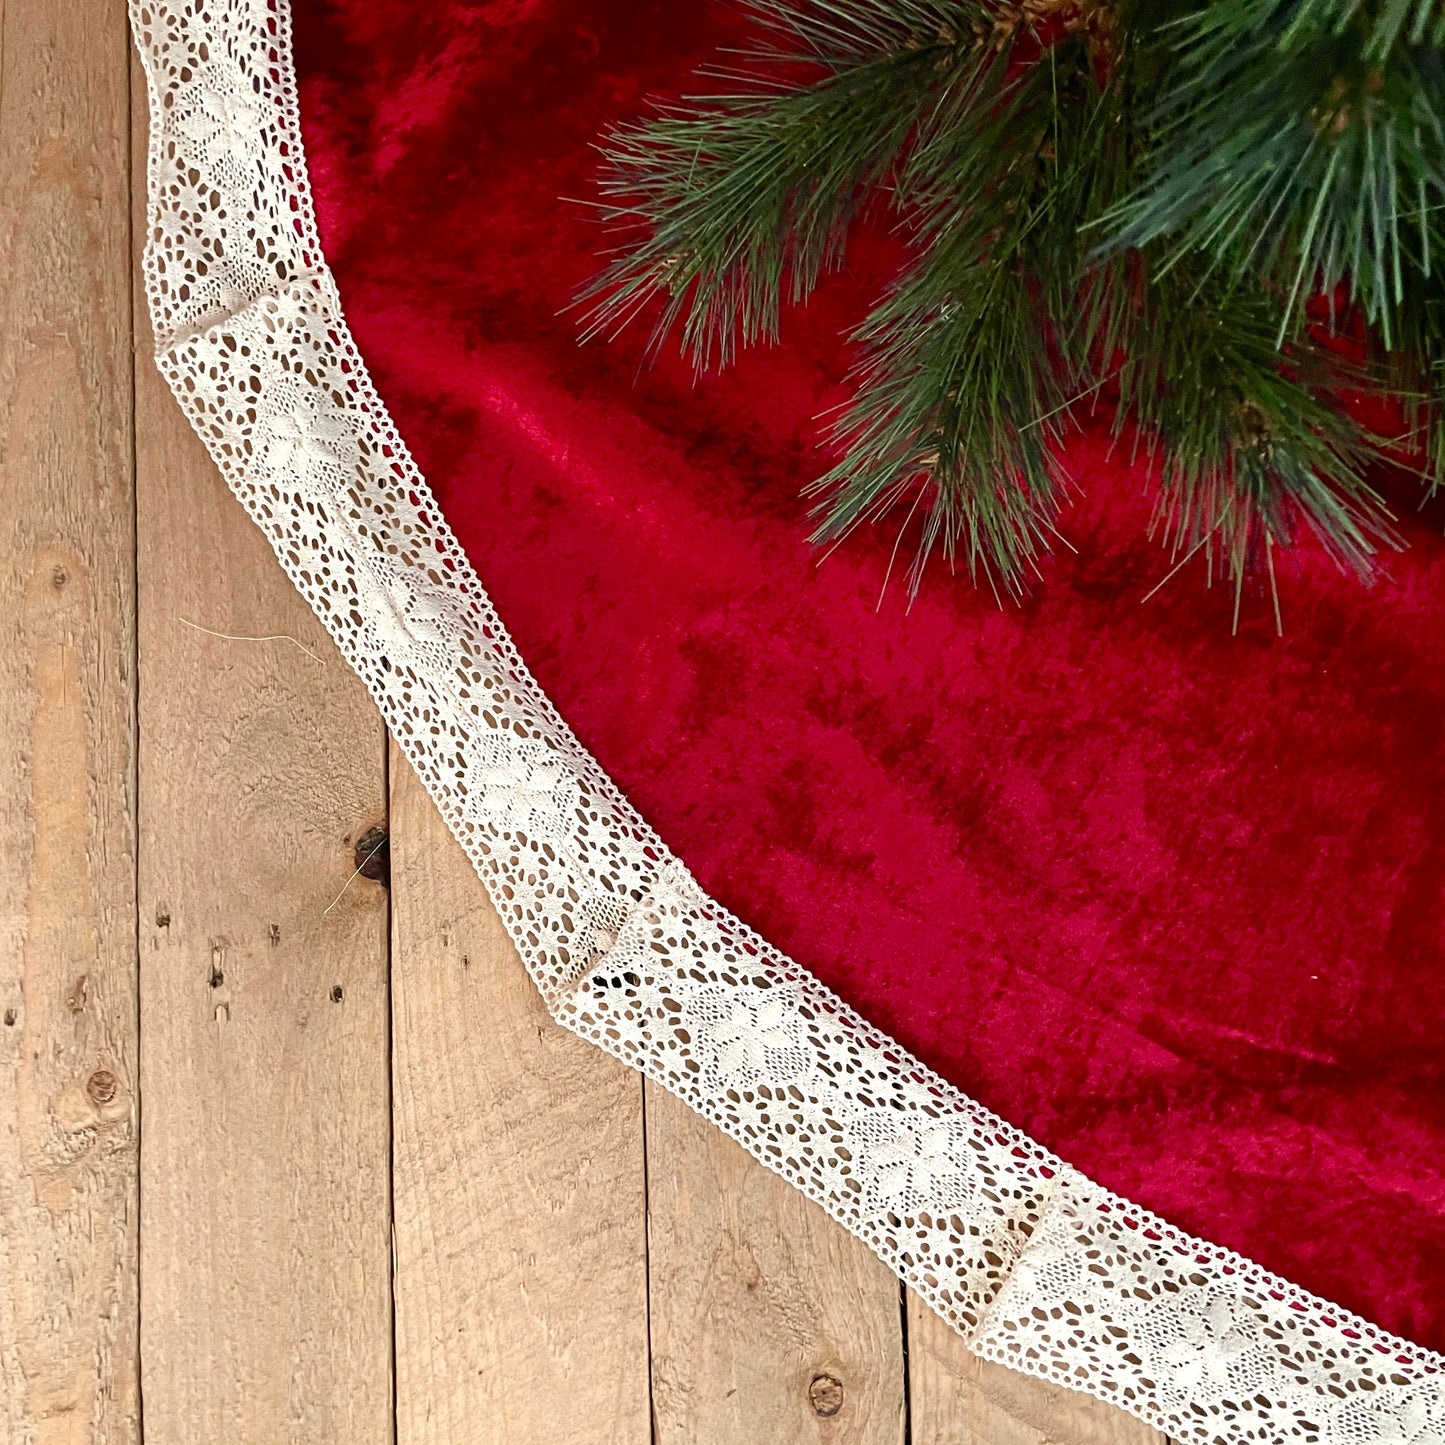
1170, 900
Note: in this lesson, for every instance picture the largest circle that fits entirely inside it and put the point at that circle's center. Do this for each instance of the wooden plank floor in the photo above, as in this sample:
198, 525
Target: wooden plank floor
284, 1156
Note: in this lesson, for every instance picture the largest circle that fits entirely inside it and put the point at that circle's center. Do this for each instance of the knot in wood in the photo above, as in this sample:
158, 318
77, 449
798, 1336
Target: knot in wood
825, 1395
101, 1088
372, 856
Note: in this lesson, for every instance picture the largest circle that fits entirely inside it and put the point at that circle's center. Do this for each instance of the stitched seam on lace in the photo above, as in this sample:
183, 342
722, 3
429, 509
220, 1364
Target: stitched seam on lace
1037, 1266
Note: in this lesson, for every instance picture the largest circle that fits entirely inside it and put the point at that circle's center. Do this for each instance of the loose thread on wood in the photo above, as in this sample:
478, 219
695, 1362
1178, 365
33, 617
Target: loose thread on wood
234, 637
376, 848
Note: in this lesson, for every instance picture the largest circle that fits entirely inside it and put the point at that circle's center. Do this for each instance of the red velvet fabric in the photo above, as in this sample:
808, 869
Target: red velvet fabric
1169, 899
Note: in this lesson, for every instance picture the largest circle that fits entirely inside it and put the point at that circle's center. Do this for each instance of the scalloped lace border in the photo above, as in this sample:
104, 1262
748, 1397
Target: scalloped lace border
1035, 1265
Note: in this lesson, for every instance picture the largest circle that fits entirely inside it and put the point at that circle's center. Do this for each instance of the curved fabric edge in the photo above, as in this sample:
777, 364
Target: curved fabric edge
1033, 1264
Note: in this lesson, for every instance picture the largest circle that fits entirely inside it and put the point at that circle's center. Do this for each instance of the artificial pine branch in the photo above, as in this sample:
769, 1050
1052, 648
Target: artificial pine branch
970, 364
1247, 448
1305, 143
1136, 197
725, 204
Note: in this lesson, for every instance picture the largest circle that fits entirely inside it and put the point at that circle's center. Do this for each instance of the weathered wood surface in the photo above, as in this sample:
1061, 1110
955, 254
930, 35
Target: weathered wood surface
380, 1193
265, 1153
769, 1322
521, 1249
68, 1118
959, 1399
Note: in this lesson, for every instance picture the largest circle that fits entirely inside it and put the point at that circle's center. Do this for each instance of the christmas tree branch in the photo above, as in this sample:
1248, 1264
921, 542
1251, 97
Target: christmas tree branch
1302, 142
971, 363
1142, 196
728, 205
1248, 450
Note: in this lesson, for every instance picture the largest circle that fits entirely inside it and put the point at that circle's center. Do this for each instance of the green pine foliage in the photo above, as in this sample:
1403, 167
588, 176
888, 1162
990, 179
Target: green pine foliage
1169, 206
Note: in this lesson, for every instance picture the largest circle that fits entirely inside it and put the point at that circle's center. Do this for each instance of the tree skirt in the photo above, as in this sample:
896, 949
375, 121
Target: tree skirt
1169, 901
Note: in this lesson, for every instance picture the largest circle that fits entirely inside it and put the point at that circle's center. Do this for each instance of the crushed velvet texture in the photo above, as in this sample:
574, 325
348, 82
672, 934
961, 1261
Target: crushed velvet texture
1167, 898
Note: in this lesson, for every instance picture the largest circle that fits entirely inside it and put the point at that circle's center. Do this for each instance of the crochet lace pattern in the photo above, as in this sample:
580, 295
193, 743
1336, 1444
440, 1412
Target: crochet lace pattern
1032, 1263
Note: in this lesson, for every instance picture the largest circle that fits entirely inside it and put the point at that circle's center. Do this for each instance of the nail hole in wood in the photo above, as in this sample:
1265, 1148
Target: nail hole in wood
825, 1395
336, 993
10, 1018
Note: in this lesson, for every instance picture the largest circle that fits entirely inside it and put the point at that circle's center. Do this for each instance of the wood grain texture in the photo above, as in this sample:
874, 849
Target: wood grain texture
68, 1239
521, 1290
769, 1321
265, 1154
958, 1399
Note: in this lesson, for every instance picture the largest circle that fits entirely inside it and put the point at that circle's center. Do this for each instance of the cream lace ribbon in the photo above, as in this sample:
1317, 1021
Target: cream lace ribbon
1035, 1265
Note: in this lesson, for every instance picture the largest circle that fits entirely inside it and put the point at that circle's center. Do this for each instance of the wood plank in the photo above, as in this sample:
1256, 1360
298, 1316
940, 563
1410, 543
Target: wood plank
265, 1156
521, 1288
67, 697
958, 1399
769, 1321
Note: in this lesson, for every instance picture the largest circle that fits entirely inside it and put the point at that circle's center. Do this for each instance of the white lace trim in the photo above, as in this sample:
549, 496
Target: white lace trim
1035, 1265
